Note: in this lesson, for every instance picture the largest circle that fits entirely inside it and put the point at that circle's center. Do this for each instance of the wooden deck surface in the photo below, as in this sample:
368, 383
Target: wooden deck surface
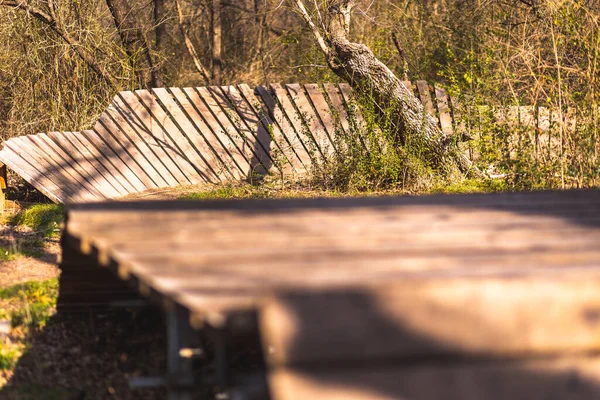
461, 297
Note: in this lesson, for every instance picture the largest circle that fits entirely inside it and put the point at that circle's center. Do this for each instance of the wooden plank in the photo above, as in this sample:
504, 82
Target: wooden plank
138, 153
441, 318
302, 133
292, 139
315, 129
443, 107
3, 178
425, 96
92, 175
51, 166
189, 162
66, 162
27, 171
338, 105
570, 378
246, 143
198, 152
112, 152
342, 103
229, 154
102, 163
248, 125
241, 153
151, 133
323, 111
204, 138
286, 156
355, 116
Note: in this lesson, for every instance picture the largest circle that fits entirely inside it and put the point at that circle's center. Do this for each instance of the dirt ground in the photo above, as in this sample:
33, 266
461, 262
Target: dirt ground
80, 356
40, 264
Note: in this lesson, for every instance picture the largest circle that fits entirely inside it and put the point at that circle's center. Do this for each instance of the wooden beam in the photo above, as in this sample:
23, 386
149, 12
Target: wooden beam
3, 185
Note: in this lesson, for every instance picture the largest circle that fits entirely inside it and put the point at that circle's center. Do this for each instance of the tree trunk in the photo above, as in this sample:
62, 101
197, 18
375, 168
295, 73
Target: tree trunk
130, 31
216, 41
368, 76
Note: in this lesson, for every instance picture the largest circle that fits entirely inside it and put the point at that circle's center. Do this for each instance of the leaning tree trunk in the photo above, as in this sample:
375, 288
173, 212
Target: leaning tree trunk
368, 76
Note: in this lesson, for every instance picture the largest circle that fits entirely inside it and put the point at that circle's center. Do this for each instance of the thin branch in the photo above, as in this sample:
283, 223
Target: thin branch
190, 46
320, 40
47, 19
402, 57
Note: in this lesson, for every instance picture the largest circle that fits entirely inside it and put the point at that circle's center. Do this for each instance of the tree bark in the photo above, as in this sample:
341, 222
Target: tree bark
133, 40
216, 41
368, 76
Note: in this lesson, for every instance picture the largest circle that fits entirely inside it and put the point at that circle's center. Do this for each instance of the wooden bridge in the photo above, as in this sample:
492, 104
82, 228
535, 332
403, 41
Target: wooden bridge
492, 296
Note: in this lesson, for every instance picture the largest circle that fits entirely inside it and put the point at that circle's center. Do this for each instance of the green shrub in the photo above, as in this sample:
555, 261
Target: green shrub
45, 218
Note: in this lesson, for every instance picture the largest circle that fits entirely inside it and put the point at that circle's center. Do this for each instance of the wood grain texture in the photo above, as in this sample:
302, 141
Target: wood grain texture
448, 296
435, 267
565, 378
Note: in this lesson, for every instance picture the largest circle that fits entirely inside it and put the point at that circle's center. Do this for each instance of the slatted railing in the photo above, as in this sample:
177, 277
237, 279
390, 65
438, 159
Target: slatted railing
152, 139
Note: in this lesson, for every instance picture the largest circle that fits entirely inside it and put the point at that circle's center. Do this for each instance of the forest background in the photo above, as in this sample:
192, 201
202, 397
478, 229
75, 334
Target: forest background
62, 61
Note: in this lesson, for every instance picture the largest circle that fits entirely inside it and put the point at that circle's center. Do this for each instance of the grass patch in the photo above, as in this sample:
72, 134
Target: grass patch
232, 191
31, 303
43, 218
471, 186
28, 306
8, 356
7, 254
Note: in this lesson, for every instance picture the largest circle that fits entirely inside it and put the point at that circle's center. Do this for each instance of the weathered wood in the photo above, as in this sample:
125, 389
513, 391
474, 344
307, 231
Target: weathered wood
87, 169
28, 151
563, 378
230, 154
311, 122
30, 174
138, 154
109, 149
239, 149
443, 106
180, 149
100, 163
249, 126
387, 292
153, 139
284, 154
292, 138
139, 118
425, 97
200, 157
205, 141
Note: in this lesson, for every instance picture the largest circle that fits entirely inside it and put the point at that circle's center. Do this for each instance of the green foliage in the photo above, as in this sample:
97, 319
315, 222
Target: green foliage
32, 302
8, 356
370, 156
44, 218
231, 191
7, 254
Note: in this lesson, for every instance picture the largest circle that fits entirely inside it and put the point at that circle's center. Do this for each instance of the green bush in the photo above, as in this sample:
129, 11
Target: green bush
45, 218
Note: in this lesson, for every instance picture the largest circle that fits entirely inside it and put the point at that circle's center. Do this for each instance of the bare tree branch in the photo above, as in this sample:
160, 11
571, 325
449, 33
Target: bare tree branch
190, 46
318, 36
51, 22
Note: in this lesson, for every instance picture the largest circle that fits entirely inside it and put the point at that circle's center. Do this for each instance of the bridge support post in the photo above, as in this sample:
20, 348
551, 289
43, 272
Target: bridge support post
3, 186
180, 342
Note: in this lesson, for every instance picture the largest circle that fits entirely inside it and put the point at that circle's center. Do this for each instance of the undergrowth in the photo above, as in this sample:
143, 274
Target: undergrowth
43, 218
28, 306
371, 155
